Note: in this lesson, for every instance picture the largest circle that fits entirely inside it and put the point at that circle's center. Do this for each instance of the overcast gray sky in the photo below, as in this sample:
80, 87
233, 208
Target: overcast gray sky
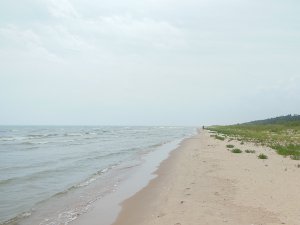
148, 62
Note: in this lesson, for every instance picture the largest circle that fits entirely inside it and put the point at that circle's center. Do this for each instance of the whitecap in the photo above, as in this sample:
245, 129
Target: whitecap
73, 134
7, 139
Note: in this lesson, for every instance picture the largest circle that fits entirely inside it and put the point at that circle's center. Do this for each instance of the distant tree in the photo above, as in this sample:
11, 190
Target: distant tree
278, 120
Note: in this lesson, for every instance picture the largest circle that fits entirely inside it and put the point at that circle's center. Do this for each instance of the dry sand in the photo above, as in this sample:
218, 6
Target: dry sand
204, 183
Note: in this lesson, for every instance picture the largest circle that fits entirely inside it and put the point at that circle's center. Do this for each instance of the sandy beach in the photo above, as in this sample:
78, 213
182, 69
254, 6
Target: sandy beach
202, 182
151, 112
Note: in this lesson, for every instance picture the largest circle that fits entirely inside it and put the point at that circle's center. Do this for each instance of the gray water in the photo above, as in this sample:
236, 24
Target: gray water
38, 164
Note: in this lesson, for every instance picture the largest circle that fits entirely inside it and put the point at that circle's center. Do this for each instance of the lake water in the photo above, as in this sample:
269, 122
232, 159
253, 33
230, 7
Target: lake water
45, 167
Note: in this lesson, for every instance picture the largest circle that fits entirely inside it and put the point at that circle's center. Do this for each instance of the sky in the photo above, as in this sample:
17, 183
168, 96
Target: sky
148, 62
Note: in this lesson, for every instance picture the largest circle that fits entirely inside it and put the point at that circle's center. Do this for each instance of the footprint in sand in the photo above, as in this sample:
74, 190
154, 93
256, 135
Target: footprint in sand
161, 215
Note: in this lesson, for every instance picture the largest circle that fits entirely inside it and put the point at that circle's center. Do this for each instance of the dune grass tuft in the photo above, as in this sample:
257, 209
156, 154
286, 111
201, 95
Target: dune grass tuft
219, 137
262, 156
230, 146
236, 150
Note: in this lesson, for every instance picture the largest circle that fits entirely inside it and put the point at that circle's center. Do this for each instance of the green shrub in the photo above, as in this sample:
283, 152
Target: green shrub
230, 146
286, 150
219, 137
262, 156
236, 150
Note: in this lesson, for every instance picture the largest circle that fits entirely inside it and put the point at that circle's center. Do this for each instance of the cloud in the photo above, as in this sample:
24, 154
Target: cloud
69, 34
25, 38
151, 54
24, 43
62, 9
126, 29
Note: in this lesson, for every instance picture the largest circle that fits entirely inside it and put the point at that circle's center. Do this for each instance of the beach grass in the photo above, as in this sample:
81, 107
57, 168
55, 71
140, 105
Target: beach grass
230, 146
284, 136
262, 156
236, 150
219, 137
287, 150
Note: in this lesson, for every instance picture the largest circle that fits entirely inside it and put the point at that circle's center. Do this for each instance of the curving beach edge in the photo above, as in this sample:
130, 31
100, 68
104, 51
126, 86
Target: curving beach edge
203, 182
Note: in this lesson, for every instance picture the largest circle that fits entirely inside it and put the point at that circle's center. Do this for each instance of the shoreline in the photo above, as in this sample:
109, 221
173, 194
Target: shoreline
82, 167
128, 214
105, 210
203, 183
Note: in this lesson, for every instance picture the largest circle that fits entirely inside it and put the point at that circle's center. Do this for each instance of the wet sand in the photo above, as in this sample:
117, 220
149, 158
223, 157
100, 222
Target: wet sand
204, 183
105, 210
